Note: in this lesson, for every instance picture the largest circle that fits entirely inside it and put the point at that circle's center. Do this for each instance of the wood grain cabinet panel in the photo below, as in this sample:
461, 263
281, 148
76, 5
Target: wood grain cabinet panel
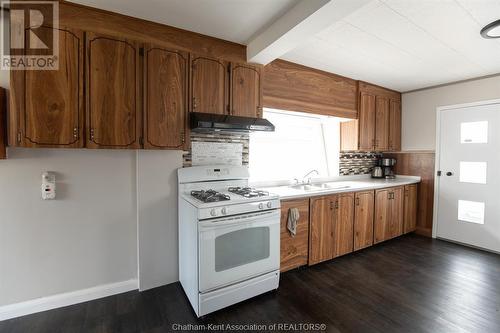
367, 113
410, 208
3, 124
294, 249
209, 85
114, 118
246, 91
343, 224
382, 124
394, 125
47, 105
363, 219
389, 205
165, 98
321, 239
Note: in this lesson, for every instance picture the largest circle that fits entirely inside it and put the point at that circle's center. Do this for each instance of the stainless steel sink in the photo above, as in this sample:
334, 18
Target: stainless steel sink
305, 187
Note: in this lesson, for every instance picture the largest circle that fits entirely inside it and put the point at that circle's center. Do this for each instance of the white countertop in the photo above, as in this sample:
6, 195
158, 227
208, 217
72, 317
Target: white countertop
342, 186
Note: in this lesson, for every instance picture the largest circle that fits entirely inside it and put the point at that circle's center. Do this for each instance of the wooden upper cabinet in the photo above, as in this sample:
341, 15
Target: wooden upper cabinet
246, 91
209, 85
367, 114
321, 239
382, 124
294, 249
343, 224
363, 219
165, 98
113, 92
395, 125
47, 105
410, 208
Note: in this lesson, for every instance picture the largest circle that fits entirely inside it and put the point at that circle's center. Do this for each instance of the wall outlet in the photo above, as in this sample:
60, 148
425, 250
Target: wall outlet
48, 186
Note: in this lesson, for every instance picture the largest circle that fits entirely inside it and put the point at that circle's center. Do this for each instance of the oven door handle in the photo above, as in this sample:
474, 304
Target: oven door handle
242, 220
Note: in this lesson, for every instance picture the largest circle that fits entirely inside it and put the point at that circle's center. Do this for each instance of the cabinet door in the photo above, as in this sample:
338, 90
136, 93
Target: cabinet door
395, 125
397, 208
3, 125
343, 224
382, 124
165, 98
410, 208
382, 223
366, 121
294, 249
113, 107
321, 229
209, 85
363, 219
52, 115
246, 91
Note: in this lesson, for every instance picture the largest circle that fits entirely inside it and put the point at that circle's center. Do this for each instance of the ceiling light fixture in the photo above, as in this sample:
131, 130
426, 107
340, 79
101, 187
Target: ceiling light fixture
492, 30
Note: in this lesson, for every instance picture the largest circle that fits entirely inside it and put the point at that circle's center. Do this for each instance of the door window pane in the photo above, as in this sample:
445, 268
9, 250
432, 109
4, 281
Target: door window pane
471, 211
241, 247
474, 132
473, 172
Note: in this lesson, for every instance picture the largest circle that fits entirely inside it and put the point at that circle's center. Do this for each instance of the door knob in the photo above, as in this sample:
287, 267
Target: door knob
449, 173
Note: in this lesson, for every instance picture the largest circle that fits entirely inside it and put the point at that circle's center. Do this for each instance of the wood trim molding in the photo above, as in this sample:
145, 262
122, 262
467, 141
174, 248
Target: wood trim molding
3, 123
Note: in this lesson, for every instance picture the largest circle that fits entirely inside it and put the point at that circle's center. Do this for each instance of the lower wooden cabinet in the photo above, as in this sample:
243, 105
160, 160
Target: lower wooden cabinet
389, 205
294, 249
343, 232
363, 219
410, 208
331, 227
321, 229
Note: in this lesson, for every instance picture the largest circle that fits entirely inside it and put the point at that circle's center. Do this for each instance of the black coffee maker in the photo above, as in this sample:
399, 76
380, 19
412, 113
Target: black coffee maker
387, 165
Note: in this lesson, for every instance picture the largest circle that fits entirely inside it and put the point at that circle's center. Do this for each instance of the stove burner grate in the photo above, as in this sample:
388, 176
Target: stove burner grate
210, 196
248, 192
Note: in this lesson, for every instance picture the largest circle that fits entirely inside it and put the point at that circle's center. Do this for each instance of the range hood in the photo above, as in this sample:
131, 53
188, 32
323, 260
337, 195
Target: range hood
220, 122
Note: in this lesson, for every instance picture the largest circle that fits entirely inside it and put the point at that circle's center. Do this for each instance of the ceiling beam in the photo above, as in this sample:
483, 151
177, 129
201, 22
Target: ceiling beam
296, 26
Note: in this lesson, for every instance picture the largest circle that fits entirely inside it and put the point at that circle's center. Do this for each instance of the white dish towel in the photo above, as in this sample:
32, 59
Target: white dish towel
293, 220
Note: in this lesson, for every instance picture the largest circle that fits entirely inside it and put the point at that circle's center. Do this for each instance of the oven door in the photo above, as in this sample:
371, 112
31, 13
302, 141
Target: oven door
237, 248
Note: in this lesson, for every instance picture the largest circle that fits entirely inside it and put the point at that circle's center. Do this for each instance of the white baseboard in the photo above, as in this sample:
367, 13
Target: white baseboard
65, 299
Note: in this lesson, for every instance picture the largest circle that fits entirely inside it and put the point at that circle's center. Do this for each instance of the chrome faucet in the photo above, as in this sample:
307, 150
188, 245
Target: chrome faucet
308, 174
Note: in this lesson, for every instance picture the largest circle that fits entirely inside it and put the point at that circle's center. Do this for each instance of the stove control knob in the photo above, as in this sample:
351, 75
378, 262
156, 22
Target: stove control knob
261, 206
223, 211
212, 212
269, 204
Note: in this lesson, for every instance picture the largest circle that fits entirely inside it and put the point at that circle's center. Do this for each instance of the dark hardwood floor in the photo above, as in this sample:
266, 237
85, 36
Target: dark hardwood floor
409, 284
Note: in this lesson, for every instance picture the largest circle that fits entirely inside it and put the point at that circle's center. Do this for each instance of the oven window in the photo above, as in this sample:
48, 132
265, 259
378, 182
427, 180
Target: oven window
241, 247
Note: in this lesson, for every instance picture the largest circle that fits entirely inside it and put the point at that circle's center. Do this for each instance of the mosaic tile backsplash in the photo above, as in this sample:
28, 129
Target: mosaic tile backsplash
228, 137
357, 163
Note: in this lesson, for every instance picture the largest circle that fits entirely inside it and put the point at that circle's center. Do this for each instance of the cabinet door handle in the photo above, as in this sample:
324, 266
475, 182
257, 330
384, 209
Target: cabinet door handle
331, 205
337, 204
194, 103
357, 201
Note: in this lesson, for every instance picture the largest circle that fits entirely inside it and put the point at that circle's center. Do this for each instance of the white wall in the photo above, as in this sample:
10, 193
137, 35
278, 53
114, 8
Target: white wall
419, 108
157, 216
88, 236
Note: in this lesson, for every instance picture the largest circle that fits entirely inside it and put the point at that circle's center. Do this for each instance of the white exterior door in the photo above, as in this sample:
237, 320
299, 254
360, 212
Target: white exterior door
469, 186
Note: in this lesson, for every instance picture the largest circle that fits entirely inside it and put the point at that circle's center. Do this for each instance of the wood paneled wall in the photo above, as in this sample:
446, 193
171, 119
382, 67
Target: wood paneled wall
109, 23
419, 164
289, 86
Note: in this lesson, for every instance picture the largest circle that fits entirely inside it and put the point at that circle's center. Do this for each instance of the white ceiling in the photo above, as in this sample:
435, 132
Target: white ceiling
232, 20
407, 44
399, 44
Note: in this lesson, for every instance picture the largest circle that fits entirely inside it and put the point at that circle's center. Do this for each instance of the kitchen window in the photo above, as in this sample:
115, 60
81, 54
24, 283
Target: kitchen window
301, 142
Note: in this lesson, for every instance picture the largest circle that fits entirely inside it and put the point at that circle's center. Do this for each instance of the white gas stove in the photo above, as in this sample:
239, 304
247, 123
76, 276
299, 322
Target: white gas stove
229, 237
